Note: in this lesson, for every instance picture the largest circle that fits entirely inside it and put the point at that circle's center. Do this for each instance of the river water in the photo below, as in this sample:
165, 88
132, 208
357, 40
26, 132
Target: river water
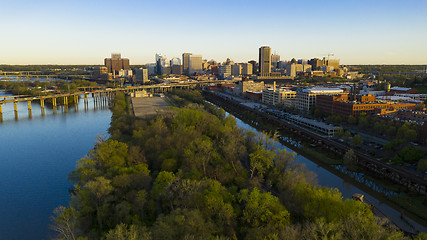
38, 153
36, 156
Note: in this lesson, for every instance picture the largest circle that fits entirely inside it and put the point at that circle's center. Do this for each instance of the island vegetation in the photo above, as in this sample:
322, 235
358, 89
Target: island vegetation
193, 174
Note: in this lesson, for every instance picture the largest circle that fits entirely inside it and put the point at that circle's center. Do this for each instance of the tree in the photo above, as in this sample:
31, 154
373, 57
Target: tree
65, 223
260, 160
363, 122
261, 209
339, 133
94, 194
411, 154
350, 159
352, 120
346, 135
124, 232
182, 224
407, 133
356, 140
422, 165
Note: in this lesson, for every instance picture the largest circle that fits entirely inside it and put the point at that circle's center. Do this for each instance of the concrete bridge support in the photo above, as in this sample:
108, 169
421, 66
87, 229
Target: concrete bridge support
76, 102
15, 106
1, 108
42, 106
54, 106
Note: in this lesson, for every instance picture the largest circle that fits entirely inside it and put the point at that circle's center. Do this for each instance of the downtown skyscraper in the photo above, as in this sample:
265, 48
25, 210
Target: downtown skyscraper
265, 61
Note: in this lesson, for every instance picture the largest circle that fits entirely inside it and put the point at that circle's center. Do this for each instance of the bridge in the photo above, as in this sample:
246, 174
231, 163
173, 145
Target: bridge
100, 95
38, 77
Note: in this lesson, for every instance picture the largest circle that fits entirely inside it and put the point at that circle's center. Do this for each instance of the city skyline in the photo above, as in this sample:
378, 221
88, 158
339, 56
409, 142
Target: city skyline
77, 32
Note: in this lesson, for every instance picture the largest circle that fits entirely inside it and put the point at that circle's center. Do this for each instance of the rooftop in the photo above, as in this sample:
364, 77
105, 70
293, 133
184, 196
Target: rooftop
320, 90
400, 88
313, 122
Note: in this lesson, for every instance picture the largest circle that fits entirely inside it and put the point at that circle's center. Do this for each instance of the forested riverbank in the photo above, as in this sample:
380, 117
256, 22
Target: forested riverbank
193, 174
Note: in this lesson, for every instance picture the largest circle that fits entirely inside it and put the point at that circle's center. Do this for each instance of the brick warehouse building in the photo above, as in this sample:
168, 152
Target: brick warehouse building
344, 105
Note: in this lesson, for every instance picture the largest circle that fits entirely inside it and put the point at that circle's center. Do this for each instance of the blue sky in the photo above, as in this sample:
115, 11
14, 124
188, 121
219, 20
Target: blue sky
85, 32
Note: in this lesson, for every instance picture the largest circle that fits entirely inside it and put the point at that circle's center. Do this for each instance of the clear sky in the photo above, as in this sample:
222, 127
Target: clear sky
85, 32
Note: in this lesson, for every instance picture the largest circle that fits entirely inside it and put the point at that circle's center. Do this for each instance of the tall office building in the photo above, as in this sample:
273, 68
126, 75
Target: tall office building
162, 63
194, 64
116, 63
185, 62
152, 68
141, 76
176, 69
265, 61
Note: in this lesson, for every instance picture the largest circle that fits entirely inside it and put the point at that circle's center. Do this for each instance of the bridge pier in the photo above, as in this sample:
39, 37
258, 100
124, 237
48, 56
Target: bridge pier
1, 109
15, 106
76, 102
29, 105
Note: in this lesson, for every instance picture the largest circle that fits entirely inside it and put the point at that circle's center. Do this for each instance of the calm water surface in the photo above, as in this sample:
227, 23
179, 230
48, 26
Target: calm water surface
36, 156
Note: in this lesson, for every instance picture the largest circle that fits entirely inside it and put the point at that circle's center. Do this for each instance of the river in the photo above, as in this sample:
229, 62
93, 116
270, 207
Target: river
37, 155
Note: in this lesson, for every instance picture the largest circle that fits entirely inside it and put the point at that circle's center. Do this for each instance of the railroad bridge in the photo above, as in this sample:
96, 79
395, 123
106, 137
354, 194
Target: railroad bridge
99, 95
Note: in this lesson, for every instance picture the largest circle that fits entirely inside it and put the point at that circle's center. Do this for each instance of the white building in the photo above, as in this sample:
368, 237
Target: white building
125, 73
275, 96
324, 128
421, 97
305, 99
